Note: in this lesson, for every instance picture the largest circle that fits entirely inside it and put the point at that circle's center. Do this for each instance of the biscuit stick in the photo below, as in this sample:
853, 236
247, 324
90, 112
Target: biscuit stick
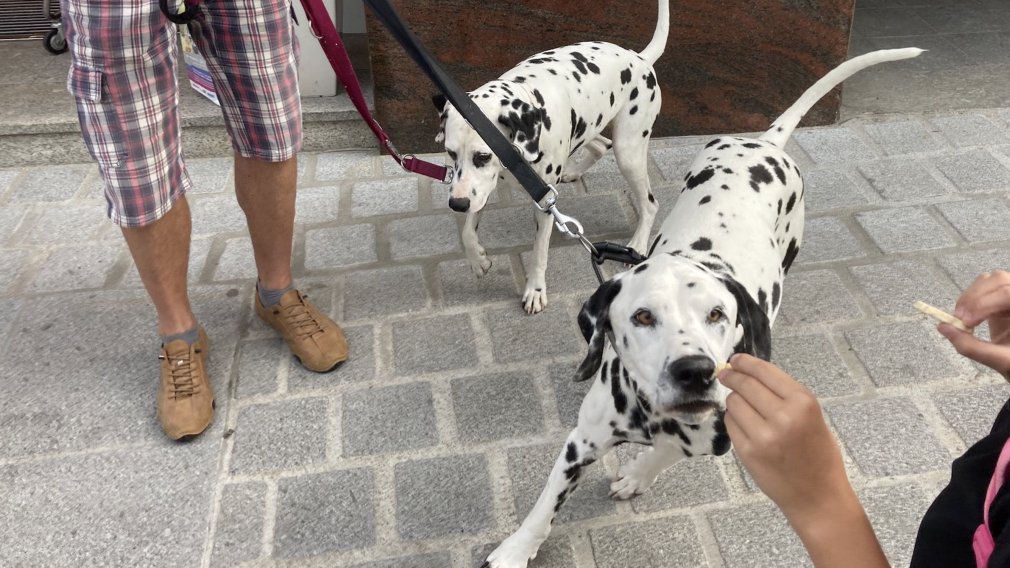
721, 366
942, 316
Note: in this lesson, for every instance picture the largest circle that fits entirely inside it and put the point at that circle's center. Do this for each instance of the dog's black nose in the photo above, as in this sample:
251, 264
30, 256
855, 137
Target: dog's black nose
460, 205
693, 374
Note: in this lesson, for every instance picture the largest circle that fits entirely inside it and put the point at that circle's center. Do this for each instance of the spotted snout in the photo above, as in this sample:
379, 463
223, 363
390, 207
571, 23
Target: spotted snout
693, 374
460, 204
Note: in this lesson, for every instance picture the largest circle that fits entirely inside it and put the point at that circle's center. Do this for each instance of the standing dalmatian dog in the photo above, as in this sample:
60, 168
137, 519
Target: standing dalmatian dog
710, 288
551, 105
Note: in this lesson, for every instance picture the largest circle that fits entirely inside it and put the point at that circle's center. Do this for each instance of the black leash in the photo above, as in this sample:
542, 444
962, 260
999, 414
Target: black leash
605, 250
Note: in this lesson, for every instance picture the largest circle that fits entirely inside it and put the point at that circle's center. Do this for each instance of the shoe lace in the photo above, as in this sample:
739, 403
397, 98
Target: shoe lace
181, 373
300, 319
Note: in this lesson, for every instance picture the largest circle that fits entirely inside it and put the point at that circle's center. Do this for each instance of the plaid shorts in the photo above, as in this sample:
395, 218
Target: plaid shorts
124, 76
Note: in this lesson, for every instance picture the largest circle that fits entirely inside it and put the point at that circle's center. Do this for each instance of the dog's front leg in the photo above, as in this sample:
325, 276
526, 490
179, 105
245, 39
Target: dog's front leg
479, 262
579, 451
535, 296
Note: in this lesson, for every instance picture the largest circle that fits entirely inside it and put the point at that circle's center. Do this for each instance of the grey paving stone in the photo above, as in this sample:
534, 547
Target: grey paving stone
11, 263
975, 172
326, 512
359, 366
902, 353
257, 368
672, 542
903, 137
827, 239
384, 197
529, 468
757, 536
217, 214
829, 189
424, 236
965, 267
689, 482
888, 437
66, 225
279, 435
49, 184
599, 214
370, 293
508, 227
432, 345
317, 204
430, 560
816, 296
604, 176
340, 246
978, 221
237, 260
10, 220
894, 287
239, 524
903, 229
667, 198
460, 286
77, 267
496, 406
198, 251
59, 511
674, 162
517, 336
210, 176
969, 130
555, 552
569, 269
892, 21
902, 180
814, 361
8, 317
972, 412
390, 419
568, 394
6, 179
443, 496
895, 513
345, 165
833, 145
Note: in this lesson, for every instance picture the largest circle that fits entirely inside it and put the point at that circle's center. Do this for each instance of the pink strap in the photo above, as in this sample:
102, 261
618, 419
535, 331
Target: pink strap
982, 542
322, 28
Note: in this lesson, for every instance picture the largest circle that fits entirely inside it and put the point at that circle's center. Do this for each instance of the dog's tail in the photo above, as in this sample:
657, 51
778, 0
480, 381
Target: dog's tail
782, 128
656, 47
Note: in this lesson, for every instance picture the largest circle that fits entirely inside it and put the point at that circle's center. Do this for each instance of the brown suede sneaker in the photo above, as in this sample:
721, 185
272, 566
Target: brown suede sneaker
185, 399
316, 340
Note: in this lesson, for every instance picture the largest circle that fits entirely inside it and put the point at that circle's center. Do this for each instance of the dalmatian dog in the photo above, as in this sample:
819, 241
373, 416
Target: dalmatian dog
551, 105
711, 287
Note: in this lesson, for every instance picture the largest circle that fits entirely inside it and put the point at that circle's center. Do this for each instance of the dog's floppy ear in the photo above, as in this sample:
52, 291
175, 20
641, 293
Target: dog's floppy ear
757, 333
594, 321
441, 105
525, 121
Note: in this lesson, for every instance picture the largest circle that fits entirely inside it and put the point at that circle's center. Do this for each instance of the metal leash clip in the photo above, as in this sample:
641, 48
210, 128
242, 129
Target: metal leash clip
561, 220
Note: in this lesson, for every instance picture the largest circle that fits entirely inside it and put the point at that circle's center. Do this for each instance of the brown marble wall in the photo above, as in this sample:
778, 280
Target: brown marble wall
729, 66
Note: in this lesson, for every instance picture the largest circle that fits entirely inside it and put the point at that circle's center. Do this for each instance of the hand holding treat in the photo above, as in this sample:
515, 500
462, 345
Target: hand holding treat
986, 300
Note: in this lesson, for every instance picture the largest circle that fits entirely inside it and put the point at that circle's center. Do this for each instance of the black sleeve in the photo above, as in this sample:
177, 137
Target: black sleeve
945, 535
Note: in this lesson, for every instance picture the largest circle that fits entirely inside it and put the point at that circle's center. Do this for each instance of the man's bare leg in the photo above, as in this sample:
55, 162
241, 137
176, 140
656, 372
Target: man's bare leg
161, 253
266, 192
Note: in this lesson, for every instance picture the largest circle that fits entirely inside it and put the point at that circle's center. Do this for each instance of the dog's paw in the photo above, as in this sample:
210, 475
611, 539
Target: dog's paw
535, 299
571, 177
630, 482
641, 245
481, 265
509, 555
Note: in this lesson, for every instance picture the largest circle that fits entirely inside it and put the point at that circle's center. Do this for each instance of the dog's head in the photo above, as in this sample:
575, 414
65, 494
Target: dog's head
476, 169
671, 321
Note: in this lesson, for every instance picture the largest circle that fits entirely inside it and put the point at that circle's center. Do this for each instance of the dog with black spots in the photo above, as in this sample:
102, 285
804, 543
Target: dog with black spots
550, 106
711, 287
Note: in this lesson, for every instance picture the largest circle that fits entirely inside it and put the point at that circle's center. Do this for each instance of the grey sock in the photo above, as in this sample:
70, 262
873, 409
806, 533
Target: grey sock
190, 336
272, 297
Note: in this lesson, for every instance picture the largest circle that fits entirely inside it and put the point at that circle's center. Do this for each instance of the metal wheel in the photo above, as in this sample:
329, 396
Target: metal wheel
54, 42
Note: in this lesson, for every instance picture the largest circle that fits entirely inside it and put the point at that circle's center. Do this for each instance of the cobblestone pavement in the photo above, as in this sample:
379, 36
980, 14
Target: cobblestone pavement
431, 443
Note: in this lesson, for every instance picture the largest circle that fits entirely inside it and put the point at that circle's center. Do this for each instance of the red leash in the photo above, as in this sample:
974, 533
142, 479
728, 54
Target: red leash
322, 28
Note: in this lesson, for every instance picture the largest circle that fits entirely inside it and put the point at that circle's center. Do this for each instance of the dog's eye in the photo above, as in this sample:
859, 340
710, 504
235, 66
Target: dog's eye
715, 315
645, 317
481, 159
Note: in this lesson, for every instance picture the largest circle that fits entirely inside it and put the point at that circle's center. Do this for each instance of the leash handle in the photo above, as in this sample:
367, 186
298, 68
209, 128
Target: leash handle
323, 29
502, 147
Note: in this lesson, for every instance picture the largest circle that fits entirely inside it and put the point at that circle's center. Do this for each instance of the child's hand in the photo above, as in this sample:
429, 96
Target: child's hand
987, 299
780, 435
